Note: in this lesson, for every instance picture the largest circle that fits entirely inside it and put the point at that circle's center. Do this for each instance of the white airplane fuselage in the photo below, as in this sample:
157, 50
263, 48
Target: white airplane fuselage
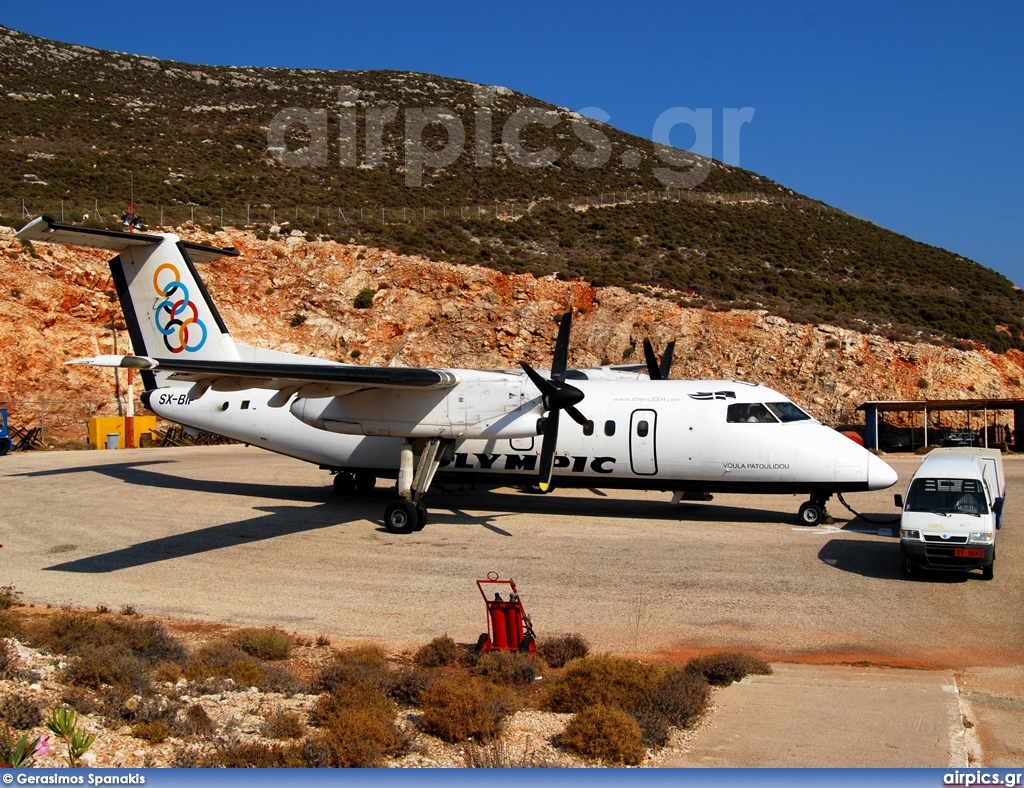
668, 435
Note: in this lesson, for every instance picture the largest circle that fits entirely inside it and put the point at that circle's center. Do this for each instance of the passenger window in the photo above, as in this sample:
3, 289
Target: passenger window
588, 428
641, 429
609, 428
749, 413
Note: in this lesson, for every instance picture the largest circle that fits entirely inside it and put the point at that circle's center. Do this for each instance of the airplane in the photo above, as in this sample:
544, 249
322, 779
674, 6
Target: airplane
628, 430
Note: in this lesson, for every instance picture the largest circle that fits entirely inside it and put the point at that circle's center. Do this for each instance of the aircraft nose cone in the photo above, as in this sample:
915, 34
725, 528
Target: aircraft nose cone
880, 475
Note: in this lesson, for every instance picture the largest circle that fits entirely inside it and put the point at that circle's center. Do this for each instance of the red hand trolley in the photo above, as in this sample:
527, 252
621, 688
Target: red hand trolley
508, 626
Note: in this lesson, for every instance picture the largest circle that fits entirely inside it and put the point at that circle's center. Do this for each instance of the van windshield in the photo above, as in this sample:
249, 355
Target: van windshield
947, 496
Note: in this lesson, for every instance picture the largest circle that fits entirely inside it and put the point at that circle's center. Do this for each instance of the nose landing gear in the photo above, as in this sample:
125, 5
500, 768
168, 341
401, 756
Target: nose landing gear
813, 512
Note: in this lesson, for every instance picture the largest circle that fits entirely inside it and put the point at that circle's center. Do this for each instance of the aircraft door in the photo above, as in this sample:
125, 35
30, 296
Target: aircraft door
643, 455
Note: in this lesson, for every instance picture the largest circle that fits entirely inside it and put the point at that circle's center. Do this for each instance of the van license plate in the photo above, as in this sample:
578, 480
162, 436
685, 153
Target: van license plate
964, 552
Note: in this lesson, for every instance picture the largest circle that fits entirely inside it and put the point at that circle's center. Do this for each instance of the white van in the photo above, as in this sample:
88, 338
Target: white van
953, 510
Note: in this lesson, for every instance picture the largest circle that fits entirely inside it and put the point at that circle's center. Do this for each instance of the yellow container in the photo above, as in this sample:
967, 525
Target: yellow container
101, 426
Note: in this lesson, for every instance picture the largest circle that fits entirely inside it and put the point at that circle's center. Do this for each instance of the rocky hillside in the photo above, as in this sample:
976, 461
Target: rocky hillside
295, 295
375, 158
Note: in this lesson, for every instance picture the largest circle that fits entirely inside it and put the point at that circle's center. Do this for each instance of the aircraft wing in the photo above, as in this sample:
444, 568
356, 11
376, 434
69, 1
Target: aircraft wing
334, 379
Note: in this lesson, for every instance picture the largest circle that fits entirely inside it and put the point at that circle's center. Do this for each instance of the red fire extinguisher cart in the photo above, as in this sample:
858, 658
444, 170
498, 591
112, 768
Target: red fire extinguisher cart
508, 626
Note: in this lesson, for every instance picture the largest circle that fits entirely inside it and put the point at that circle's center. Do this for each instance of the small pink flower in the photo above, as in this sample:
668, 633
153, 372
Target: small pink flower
43, 746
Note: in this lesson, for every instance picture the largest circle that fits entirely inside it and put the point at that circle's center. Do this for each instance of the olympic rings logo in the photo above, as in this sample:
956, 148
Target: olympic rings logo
177, 318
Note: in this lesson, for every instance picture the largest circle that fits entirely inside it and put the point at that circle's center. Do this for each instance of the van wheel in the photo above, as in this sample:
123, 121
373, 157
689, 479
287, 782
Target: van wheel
988, 572
908, 567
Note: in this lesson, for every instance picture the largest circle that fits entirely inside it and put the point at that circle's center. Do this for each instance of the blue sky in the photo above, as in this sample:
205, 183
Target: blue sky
910, 115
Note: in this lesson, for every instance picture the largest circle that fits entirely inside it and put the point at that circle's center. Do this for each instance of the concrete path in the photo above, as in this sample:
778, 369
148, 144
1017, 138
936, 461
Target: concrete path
834, 716
993, 704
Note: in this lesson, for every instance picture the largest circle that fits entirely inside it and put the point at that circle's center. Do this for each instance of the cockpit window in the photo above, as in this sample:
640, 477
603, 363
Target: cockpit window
965, 496
749, 413
787, 412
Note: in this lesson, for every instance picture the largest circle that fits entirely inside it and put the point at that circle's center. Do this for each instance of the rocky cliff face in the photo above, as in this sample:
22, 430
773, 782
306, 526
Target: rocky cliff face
293, 295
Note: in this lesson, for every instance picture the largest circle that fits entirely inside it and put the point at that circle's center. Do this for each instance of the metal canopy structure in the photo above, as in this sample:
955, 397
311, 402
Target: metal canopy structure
983, 405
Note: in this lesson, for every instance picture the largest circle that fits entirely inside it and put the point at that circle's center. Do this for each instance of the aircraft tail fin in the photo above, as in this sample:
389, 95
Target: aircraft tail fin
168, 312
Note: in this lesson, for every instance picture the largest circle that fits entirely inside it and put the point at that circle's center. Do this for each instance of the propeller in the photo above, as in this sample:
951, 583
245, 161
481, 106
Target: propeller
654, 369
557, 395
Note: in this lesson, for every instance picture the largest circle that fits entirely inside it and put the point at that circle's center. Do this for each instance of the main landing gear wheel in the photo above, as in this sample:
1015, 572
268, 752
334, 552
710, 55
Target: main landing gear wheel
403, 517
811, 514
344, 483
421, 517
365, 483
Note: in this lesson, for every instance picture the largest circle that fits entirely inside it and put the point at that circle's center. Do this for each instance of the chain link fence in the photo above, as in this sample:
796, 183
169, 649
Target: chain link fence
326, 217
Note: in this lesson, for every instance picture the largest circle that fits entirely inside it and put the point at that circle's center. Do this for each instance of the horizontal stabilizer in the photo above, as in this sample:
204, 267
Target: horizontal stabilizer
45, 228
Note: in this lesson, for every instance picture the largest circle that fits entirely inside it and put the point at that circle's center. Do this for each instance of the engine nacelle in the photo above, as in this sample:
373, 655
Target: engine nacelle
486, 409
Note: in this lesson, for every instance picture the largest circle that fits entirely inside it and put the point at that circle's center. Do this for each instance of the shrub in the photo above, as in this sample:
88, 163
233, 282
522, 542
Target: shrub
222, 659
356, 666
196, 721
681, 697
604, 733
409, 684
280, 679
602, 680
167, 671
257, 755
82, 700
73, 633
457, 709
96, 665
8, 660
725, 667
11, 627
154, 731
20, 713
506, 667
297, 320
9, 597
560, 649
358, 725
268, 644
438, 652
283, 725
364, 298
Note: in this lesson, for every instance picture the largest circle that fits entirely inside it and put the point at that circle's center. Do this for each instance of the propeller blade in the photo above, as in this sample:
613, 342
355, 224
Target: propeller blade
653, 370
545, 386
561, 358
666, 360
578, 417
547, 451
